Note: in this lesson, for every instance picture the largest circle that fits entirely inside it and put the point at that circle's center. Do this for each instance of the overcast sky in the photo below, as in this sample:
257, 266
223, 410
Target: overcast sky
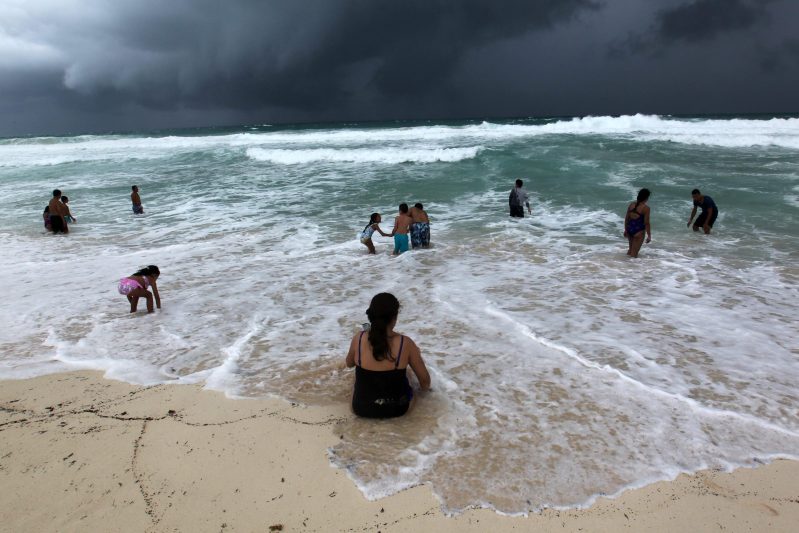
115, 65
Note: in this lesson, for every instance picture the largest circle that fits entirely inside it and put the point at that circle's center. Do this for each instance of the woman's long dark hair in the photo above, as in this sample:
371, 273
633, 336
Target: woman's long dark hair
382, 310
643, 196
151, 270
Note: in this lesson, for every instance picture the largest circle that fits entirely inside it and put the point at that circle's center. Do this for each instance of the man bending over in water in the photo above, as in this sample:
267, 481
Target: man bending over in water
709, 212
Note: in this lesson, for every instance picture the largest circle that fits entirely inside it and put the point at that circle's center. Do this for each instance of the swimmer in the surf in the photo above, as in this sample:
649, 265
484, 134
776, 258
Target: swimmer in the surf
420, 229
707, 217
136, 201
636, 222
67, 214
135, 286
57, 223
368, 231
402, 226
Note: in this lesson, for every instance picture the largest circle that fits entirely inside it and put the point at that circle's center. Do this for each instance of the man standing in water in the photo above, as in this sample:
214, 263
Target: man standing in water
517, 199
136, 200
57, 223
709, 212
420, 229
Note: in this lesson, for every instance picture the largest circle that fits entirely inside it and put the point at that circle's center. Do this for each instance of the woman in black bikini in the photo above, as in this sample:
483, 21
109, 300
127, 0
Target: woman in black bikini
636, 222
381, 358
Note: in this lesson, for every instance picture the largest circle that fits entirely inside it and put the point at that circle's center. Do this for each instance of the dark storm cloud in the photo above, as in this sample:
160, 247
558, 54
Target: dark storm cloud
783, 56
297, 54
694, 22
704, 19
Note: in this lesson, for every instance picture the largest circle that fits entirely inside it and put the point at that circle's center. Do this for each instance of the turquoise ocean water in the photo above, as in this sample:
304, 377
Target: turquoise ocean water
562, 369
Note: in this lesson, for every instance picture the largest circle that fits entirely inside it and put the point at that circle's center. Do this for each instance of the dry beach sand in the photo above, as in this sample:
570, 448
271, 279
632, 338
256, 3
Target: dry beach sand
82, 453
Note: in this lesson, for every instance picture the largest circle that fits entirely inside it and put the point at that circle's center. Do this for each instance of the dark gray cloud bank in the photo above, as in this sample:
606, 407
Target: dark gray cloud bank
94, 65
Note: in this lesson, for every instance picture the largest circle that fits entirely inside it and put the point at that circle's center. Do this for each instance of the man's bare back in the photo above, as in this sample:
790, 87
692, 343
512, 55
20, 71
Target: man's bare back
419, 215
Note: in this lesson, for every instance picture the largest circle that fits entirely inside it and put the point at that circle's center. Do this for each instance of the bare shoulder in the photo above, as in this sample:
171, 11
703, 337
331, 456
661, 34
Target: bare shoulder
409, 341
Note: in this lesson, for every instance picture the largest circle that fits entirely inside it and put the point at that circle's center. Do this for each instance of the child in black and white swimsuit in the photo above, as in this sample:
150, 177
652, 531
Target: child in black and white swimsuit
368, 231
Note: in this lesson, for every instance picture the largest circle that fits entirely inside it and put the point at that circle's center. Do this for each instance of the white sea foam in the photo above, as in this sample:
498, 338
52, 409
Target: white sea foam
386, 155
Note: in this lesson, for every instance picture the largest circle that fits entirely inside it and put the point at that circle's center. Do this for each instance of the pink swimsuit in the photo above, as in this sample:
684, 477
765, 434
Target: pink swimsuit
128, 285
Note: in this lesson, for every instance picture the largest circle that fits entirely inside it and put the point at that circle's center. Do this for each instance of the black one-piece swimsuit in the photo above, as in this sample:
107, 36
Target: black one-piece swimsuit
381, 393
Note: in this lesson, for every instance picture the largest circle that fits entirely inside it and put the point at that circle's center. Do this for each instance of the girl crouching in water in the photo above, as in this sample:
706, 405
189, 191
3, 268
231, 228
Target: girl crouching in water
369, 229
135, 287
381, 359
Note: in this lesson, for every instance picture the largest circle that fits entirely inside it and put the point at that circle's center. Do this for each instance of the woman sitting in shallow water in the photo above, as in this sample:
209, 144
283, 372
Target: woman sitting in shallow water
381, 357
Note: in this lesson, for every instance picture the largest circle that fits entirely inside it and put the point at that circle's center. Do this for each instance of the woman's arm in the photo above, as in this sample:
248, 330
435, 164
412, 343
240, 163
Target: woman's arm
416, 363
350, 360
155, 293
646, 224
626, 219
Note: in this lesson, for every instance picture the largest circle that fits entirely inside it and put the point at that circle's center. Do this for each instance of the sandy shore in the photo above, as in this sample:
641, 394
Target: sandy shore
81, 453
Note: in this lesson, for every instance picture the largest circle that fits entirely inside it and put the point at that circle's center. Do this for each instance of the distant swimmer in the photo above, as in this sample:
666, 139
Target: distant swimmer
67, 214
369, 229
135, 287
402, 225
636, 221
709, 212
517, 199
381, 357
420, 229
57, 222
136, 200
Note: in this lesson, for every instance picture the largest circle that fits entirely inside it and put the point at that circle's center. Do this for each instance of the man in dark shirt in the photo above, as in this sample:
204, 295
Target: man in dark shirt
709, 212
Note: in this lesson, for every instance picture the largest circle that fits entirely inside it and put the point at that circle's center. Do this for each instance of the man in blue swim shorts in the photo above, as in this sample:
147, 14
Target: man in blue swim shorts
402, 225
420, 229
136, 201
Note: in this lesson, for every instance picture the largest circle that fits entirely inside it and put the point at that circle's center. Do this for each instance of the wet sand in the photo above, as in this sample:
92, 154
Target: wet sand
82, 453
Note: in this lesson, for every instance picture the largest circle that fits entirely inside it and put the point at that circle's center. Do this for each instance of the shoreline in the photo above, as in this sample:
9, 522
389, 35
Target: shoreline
83, 453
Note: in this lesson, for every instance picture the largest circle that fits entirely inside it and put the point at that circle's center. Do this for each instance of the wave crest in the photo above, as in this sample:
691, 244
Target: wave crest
389, 156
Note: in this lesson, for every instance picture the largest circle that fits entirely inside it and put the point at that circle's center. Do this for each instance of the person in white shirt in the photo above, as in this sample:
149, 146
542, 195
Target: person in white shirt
517, 199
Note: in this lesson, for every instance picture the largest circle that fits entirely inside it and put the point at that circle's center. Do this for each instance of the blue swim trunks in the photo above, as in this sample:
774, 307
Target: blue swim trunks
420, 234
138, 209
400, 244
